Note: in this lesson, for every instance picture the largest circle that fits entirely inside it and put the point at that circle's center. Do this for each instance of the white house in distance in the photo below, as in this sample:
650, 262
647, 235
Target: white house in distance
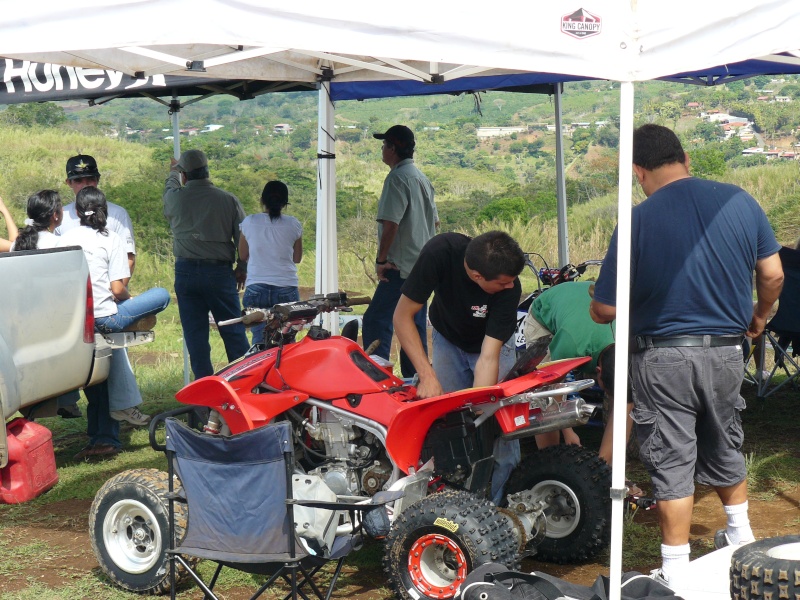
489, 132
283, 129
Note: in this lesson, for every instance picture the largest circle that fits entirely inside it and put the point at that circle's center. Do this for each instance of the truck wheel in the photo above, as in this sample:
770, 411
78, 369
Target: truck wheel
574, 482
437, 541
767, 569
129, 529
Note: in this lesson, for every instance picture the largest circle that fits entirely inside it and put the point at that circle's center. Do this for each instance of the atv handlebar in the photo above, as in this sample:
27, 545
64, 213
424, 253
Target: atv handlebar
302, 311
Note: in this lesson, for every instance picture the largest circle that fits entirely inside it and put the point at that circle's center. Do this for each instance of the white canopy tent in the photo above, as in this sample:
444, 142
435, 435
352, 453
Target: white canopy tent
422, 42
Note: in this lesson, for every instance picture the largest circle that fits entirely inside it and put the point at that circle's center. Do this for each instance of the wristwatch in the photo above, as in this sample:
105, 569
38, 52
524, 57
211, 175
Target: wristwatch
381, 262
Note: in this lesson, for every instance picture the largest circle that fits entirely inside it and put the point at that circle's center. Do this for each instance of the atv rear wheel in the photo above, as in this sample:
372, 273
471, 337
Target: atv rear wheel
436, 542
574, 482
129, 529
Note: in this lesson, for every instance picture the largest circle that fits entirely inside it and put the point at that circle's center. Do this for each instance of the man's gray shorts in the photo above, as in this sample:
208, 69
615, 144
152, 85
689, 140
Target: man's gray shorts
686, 417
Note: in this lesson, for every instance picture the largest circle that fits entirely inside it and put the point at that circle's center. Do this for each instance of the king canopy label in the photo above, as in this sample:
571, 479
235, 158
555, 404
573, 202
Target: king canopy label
581, 24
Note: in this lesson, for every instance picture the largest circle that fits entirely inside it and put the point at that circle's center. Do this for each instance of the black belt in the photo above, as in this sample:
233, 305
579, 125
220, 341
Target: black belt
207, 262
643, 342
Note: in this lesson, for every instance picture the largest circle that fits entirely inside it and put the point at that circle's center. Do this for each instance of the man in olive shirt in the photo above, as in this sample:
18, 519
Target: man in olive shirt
205, 226
407, 219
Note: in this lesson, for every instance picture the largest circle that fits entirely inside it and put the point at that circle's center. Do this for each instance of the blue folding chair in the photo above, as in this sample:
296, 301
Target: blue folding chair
241, 514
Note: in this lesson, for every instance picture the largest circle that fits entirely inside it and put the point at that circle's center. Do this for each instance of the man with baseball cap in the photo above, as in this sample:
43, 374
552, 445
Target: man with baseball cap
82, 172
121, 399
204, 220
407, 219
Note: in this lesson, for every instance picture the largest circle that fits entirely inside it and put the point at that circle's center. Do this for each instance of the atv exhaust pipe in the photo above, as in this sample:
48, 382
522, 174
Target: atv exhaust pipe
557, 415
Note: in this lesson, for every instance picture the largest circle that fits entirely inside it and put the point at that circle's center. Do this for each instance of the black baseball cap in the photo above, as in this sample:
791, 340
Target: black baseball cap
82, 165
399, 135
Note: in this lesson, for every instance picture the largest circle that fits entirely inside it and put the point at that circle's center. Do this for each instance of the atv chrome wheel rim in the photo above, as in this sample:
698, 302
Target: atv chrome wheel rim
563, 512
132, 536
437, 566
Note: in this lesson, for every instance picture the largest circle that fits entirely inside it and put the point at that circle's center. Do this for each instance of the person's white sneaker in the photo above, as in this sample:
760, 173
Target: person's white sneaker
658, 575
132, 415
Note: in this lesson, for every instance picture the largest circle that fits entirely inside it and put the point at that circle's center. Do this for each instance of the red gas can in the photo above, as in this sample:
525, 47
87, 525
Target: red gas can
31, 468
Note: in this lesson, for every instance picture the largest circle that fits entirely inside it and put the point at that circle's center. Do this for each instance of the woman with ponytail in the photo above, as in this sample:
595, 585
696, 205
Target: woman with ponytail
272, 245
44, 215
114, 307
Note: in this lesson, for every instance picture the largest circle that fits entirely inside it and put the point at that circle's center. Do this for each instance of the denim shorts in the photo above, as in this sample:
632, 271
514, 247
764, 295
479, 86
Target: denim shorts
687, 417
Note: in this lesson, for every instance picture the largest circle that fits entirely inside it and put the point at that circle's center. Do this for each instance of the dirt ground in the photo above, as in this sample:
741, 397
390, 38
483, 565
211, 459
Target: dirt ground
71, 555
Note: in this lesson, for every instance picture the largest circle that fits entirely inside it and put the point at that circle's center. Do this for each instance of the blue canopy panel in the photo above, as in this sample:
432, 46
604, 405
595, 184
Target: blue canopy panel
741, 70
541, 83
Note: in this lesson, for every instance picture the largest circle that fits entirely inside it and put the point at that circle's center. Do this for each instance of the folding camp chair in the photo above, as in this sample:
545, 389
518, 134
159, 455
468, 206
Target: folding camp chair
782, 331
241, 514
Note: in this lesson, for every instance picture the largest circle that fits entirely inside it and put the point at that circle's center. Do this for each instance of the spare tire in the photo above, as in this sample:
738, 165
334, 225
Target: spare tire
767, 569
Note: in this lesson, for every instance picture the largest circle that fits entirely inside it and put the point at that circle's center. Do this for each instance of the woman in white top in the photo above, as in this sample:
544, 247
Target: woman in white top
272, 245
114, 307
44, 215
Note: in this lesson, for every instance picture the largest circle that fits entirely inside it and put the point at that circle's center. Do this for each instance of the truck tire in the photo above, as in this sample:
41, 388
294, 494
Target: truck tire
129, 529
437, 541
767, 569
574, 481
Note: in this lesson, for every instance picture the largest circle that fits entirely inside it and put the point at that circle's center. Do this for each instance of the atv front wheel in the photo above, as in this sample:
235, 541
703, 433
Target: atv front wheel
573, 482
129, 529
436, 542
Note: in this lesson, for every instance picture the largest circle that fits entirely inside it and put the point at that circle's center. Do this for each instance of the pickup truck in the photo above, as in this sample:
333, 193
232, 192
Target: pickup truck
48, 345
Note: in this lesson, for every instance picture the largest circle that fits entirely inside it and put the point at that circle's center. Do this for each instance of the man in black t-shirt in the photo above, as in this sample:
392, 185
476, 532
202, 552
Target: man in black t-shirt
474, 314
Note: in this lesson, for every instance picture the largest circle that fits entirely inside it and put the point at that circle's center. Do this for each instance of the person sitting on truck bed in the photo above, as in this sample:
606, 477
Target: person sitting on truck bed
44, 215
5, 244
114, 308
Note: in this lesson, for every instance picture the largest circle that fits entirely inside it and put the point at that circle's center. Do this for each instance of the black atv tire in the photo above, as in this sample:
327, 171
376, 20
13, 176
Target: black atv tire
129, 530
580, 480
767, 569
437, 541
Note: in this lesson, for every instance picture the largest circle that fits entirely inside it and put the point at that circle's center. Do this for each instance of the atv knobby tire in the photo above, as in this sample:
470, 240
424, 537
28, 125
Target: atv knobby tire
575, 482
437, 541
767, 569
129, 529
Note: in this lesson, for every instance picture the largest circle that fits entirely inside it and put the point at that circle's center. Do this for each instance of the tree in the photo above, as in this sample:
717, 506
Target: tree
707, 162
46, 114
707, 131
581, 138
608, 136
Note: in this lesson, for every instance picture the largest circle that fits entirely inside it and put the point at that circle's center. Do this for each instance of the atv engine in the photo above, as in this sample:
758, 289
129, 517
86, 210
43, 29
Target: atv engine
352, 462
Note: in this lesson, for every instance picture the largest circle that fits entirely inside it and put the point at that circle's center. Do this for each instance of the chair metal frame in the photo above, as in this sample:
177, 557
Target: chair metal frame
297, 567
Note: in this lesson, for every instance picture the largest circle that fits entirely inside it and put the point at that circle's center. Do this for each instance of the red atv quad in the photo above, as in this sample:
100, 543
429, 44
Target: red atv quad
363, 430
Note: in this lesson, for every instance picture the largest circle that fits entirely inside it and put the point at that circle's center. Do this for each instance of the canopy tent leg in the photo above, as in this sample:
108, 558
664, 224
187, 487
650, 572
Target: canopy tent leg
623, 334
174, 111
561, 188
327, 263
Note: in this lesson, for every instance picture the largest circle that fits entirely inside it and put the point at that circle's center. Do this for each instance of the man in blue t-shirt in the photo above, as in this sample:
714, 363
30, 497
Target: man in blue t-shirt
695, 245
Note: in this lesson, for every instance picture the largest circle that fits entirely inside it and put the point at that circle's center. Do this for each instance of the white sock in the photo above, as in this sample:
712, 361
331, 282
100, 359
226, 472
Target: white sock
673, 558
738, 524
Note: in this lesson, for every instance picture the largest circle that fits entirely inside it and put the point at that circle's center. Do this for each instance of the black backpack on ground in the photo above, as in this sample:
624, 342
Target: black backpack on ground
495, 582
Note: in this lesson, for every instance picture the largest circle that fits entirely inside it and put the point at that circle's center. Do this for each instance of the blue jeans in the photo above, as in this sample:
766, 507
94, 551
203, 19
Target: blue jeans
455, 370
151, 302
377, 324
264, 295
203, 287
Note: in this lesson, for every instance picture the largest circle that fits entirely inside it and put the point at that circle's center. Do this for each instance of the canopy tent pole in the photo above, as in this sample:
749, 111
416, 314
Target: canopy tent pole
561, 188
174, 111
327, 263
623, 334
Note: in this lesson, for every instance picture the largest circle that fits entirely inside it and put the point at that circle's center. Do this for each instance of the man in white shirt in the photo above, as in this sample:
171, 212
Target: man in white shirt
124, 396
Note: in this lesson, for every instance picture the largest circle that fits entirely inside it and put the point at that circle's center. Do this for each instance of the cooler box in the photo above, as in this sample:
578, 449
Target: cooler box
31, 468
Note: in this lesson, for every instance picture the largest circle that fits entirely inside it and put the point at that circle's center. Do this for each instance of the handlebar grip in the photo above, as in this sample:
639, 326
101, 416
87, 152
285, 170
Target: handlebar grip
229, 321
257, 316
357, 301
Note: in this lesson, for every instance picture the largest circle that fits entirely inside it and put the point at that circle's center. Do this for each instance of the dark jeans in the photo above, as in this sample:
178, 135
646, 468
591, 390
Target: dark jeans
263, 295
102, 429
200, 288
378, 320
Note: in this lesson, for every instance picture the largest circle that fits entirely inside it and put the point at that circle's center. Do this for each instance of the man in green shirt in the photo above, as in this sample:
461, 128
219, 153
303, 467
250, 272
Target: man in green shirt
563, 312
